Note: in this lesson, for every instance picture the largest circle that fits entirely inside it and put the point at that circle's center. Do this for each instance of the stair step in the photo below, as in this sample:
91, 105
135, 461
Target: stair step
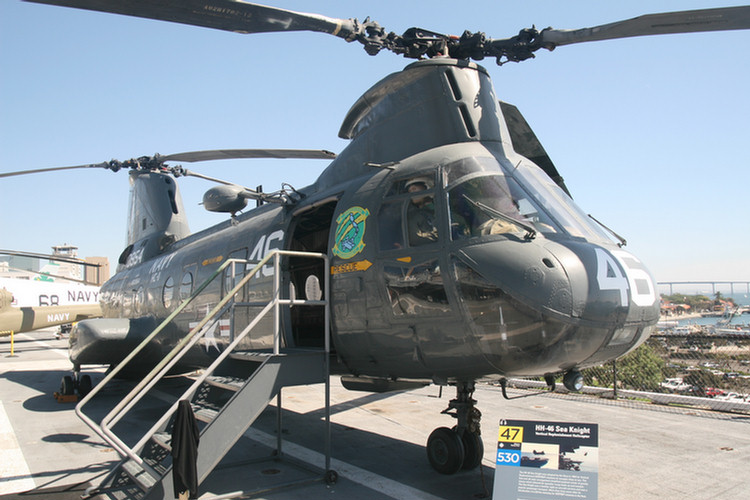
163, 439
260, 356
256, 356
139, 475
205, 413
125, 493
157, 453
226, 382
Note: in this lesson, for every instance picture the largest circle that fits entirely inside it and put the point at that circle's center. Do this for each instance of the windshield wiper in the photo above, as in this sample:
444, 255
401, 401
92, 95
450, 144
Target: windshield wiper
530, 231
620, 238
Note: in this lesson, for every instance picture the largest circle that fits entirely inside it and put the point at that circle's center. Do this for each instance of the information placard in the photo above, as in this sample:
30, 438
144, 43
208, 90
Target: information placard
546, 461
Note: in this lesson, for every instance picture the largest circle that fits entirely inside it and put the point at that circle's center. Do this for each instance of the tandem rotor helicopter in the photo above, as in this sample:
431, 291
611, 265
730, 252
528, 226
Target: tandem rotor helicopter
456, 250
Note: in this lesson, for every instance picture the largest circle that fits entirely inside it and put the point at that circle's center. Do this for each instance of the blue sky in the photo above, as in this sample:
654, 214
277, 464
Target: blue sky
649, 133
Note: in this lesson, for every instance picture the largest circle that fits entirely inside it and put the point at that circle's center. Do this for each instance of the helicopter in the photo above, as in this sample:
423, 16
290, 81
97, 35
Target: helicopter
456, 250
53, 296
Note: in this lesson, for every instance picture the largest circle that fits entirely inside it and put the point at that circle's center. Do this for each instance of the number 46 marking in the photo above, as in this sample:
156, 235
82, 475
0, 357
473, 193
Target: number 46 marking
609, 277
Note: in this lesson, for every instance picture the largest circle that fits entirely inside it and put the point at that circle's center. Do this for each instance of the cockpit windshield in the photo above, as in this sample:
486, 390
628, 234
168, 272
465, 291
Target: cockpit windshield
484, 200
558, 204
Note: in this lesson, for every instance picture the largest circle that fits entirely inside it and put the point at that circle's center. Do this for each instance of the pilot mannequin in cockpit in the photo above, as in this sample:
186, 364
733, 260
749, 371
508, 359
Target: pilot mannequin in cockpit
421, 213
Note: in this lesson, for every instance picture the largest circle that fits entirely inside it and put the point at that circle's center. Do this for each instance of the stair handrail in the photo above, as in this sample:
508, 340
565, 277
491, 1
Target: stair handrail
192, 338
166, 363
190, 391
275, 301
114, 371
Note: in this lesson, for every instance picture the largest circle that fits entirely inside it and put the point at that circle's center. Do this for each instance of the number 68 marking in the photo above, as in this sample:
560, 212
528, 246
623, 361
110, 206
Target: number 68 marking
609, 277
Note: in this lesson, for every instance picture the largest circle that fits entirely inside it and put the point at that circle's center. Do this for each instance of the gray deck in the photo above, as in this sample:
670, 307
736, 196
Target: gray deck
645, 451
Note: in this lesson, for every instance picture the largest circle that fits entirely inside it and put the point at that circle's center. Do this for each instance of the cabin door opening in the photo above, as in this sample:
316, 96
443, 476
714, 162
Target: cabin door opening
310, 234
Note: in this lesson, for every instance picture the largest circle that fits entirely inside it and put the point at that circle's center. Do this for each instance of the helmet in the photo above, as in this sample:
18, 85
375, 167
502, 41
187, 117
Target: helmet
427, 181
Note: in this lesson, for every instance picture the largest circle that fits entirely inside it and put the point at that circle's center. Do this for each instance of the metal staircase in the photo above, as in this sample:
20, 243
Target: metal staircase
226, 398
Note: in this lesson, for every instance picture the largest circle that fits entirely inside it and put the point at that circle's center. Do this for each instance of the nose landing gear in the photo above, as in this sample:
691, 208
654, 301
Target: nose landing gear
70, 384
451, 450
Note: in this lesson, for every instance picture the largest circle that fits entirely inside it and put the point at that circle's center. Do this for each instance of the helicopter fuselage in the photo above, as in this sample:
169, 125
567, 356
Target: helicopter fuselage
453, 257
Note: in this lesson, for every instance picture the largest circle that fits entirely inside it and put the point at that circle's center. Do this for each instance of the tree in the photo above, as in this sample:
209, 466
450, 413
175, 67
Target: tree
696, 302
642, 369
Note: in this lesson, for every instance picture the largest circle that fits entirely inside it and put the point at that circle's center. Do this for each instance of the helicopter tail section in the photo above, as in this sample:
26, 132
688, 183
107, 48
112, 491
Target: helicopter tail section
156, 218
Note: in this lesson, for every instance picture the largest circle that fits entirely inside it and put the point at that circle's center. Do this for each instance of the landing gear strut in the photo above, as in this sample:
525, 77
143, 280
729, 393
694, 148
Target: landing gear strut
450, 450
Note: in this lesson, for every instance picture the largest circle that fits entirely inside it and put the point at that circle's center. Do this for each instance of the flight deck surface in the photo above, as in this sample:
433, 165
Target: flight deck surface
645, 451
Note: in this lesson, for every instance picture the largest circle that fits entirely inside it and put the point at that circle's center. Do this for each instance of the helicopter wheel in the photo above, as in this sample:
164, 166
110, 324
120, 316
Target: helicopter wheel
473, 450
450, 450
445, 451
67, 386
331, 476
84, 385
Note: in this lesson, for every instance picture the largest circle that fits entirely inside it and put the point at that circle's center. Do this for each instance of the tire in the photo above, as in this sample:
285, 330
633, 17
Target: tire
474, 450
445, 451
67, 386
84, 385
331, 477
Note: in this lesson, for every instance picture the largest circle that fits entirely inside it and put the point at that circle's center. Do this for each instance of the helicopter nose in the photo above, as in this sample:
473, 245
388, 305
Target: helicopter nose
578, 281
560, 305
529, 272
613, 286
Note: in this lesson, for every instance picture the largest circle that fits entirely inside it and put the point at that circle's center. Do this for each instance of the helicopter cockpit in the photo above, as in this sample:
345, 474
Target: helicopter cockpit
495, 242
482, 199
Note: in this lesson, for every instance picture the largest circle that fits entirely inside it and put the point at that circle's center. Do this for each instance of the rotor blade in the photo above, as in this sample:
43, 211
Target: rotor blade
526, 143
228, 15
689, 21
53, 169
229, 154
45, 256
56, 276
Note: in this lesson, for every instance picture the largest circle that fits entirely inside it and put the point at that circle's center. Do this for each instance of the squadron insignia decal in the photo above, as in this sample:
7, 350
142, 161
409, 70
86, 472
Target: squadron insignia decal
350, 232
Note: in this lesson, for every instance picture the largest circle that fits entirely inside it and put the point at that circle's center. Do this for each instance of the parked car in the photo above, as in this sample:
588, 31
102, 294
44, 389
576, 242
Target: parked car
734, 397
712, 392
675, 384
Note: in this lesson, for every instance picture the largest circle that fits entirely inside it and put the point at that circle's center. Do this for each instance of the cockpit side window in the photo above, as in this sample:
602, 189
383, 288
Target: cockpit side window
389, 225
408, 215
420, 212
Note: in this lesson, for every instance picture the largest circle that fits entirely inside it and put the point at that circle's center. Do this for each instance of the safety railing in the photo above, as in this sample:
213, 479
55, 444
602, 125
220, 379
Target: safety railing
104, 430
